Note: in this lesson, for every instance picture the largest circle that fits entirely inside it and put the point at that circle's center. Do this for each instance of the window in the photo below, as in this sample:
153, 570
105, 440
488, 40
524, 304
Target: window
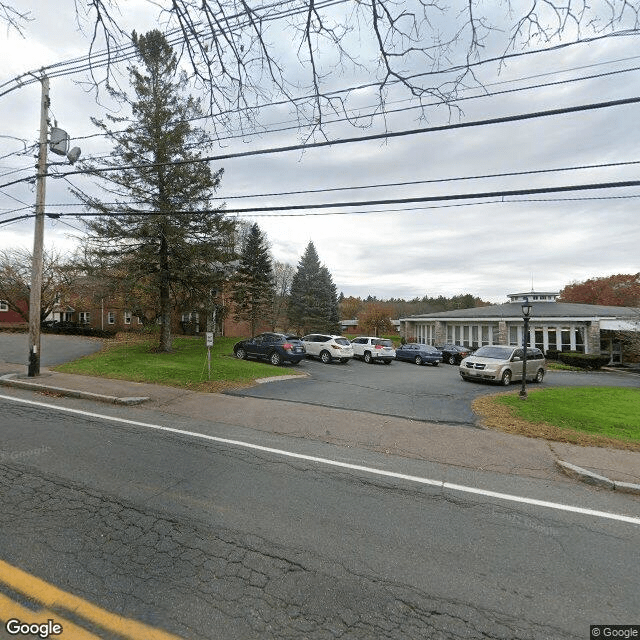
111, 317
4, 306
84, 317
127, 317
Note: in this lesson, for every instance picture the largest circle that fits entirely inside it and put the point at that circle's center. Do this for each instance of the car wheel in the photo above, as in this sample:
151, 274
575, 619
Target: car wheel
387, 361
418, 360
241, 354
506, 378
435, 364
367, 357
539, 376
325, 356
451, 360
276, 359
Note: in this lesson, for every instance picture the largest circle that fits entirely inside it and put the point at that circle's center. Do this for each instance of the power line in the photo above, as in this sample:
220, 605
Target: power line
369, 138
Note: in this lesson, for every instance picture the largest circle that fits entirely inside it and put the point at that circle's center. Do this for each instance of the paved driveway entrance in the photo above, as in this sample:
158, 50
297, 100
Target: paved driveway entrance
434, 394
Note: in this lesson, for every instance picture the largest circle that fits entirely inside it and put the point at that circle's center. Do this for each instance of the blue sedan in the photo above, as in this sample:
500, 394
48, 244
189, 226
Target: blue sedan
419, 353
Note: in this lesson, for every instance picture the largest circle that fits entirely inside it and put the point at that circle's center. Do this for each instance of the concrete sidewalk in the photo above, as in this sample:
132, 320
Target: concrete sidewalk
473, 448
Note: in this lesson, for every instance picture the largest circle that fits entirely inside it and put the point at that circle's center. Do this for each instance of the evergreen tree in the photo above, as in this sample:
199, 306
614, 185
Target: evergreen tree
254, 283
161, 226
313, 303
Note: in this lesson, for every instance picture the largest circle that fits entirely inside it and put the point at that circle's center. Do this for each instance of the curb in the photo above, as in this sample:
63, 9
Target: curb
584, 475
10, 381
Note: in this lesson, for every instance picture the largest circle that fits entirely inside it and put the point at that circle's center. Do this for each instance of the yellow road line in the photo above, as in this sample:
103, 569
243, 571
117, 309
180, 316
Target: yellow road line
10, 610
54, 598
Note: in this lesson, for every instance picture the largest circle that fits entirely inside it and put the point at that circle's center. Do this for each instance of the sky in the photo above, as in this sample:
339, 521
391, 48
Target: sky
488, 247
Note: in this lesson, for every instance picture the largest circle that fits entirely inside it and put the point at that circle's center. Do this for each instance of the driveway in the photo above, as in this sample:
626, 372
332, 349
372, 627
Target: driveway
54, 349
433, 394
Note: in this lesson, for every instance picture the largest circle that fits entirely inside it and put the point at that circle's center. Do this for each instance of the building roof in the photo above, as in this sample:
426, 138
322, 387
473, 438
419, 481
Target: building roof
513, 310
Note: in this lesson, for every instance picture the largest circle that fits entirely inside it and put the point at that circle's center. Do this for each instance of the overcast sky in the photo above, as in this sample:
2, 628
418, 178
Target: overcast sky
489, 247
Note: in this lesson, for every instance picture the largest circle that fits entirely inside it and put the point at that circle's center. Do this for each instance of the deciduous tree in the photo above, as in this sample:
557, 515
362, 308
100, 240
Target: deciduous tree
621, 290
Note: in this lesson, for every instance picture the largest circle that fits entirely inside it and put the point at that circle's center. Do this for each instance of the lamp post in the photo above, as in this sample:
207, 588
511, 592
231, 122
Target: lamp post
526, 312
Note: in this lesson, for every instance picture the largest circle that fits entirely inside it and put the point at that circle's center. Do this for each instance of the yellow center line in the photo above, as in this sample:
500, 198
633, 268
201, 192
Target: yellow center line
55, 598
10, 610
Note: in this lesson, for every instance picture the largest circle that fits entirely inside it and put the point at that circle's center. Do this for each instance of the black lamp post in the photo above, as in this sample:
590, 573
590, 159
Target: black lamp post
526, 312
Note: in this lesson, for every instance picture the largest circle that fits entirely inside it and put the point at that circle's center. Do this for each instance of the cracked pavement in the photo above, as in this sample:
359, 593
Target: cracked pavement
211, 582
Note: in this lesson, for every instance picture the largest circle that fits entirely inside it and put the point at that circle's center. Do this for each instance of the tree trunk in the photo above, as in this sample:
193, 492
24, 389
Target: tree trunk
165, 300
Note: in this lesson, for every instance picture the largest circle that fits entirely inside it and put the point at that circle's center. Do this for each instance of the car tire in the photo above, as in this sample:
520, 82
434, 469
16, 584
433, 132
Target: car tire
387, 361
367, 358
275, 359
539, 376
451, 360
325, 356
418, 360
241, 354
506, 378
435, 364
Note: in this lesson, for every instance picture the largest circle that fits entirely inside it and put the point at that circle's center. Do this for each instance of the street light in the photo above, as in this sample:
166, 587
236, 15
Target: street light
526, 312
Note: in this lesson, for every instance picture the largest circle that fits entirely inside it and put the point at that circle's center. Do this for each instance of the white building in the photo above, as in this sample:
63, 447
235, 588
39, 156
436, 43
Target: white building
561, 326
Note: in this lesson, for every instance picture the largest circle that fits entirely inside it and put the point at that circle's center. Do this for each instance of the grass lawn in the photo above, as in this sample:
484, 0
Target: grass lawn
596, 416
133, 358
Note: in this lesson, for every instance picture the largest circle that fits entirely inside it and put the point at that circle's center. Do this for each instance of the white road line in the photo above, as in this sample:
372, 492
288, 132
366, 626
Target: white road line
345, 465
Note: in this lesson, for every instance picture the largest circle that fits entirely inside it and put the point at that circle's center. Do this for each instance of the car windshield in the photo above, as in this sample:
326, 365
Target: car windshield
383, 343
499, 353
342, 341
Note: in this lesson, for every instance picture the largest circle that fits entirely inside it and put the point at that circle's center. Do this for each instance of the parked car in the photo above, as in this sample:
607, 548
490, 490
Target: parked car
502, 364
454, 353
419, 353
328, 347
372, 349
274, 347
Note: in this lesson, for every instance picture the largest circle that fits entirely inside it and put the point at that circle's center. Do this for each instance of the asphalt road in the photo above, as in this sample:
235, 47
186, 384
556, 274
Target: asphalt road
212, 540
54, 349
434, 394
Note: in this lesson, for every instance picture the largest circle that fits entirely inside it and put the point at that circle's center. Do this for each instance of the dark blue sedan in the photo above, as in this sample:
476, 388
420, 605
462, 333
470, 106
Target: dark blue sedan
419, 353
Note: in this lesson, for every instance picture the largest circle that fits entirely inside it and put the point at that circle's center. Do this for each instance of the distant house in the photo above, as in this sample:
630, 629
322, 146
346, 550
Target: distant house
10, 319
554, 325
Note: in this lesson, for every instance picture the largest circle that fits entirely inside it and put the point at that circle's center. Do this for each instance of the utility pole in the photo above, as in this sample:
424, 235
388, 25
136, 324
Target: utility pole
35, 296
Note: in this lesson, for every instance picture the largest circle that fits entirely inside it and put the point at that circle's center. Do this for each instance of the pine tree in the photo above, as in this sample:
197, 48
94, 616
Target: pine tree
254, 284
162, 227
313, 303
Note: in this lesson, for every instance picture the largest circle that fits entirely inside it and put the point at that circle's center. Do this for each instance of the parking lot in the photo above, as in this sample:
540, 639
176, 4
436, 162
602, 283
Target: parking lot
433, 394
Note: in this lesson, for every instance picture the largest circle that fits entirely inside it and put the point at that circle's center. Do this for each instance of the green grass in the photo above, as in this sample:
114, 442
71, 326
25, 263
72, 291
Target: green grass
186, 366
612, 412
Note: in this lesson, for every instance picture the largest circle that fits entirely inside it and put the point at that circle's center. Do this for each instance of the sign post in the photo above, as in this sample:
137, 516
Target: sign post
209, 341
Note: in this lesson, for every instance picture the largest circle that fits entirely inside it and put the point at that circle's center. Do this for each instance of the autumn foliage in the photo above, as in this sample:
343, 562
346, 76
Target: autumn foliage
622, 290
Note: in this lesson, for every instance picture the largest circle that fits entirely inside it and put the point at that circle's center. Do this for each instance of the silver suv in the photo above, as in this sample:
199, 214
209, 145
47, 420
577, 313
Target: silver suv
502, 364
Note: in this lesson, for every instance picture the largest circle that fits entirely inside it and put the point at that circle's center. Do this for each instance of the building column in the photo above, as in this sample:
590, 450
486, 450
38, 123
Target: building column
440, 332
592, 338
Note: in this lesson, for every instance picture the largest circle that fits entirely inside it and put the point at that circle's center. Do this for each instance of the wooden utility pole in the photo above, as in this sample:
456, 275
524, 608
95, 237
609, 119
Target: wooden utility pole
35, 295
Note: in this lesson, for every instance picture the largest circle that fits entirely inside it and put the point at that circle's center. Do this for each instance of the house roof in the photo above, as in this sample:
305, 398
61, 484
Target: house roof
539, 310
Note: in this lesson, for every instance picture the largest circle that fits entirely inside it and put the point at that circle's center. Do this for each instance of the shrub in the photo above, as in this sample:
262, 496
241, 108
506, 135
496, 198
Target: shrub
552, 354
583, 360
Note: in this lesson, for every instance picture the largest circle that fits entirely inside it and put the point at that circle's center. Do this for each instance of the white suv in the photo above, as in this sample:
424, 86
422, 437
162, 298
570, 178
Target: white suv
372, 349
328, 347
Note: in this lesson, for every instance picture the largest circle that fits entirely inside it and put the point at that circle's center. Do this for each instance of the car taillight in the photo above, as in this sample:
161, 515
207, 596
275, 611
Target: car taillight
379, 346
287, 346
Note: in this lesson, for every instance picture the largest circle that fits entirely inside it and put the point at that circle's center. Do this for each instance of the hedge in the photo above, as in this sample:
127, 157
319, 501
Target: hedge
583, 360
